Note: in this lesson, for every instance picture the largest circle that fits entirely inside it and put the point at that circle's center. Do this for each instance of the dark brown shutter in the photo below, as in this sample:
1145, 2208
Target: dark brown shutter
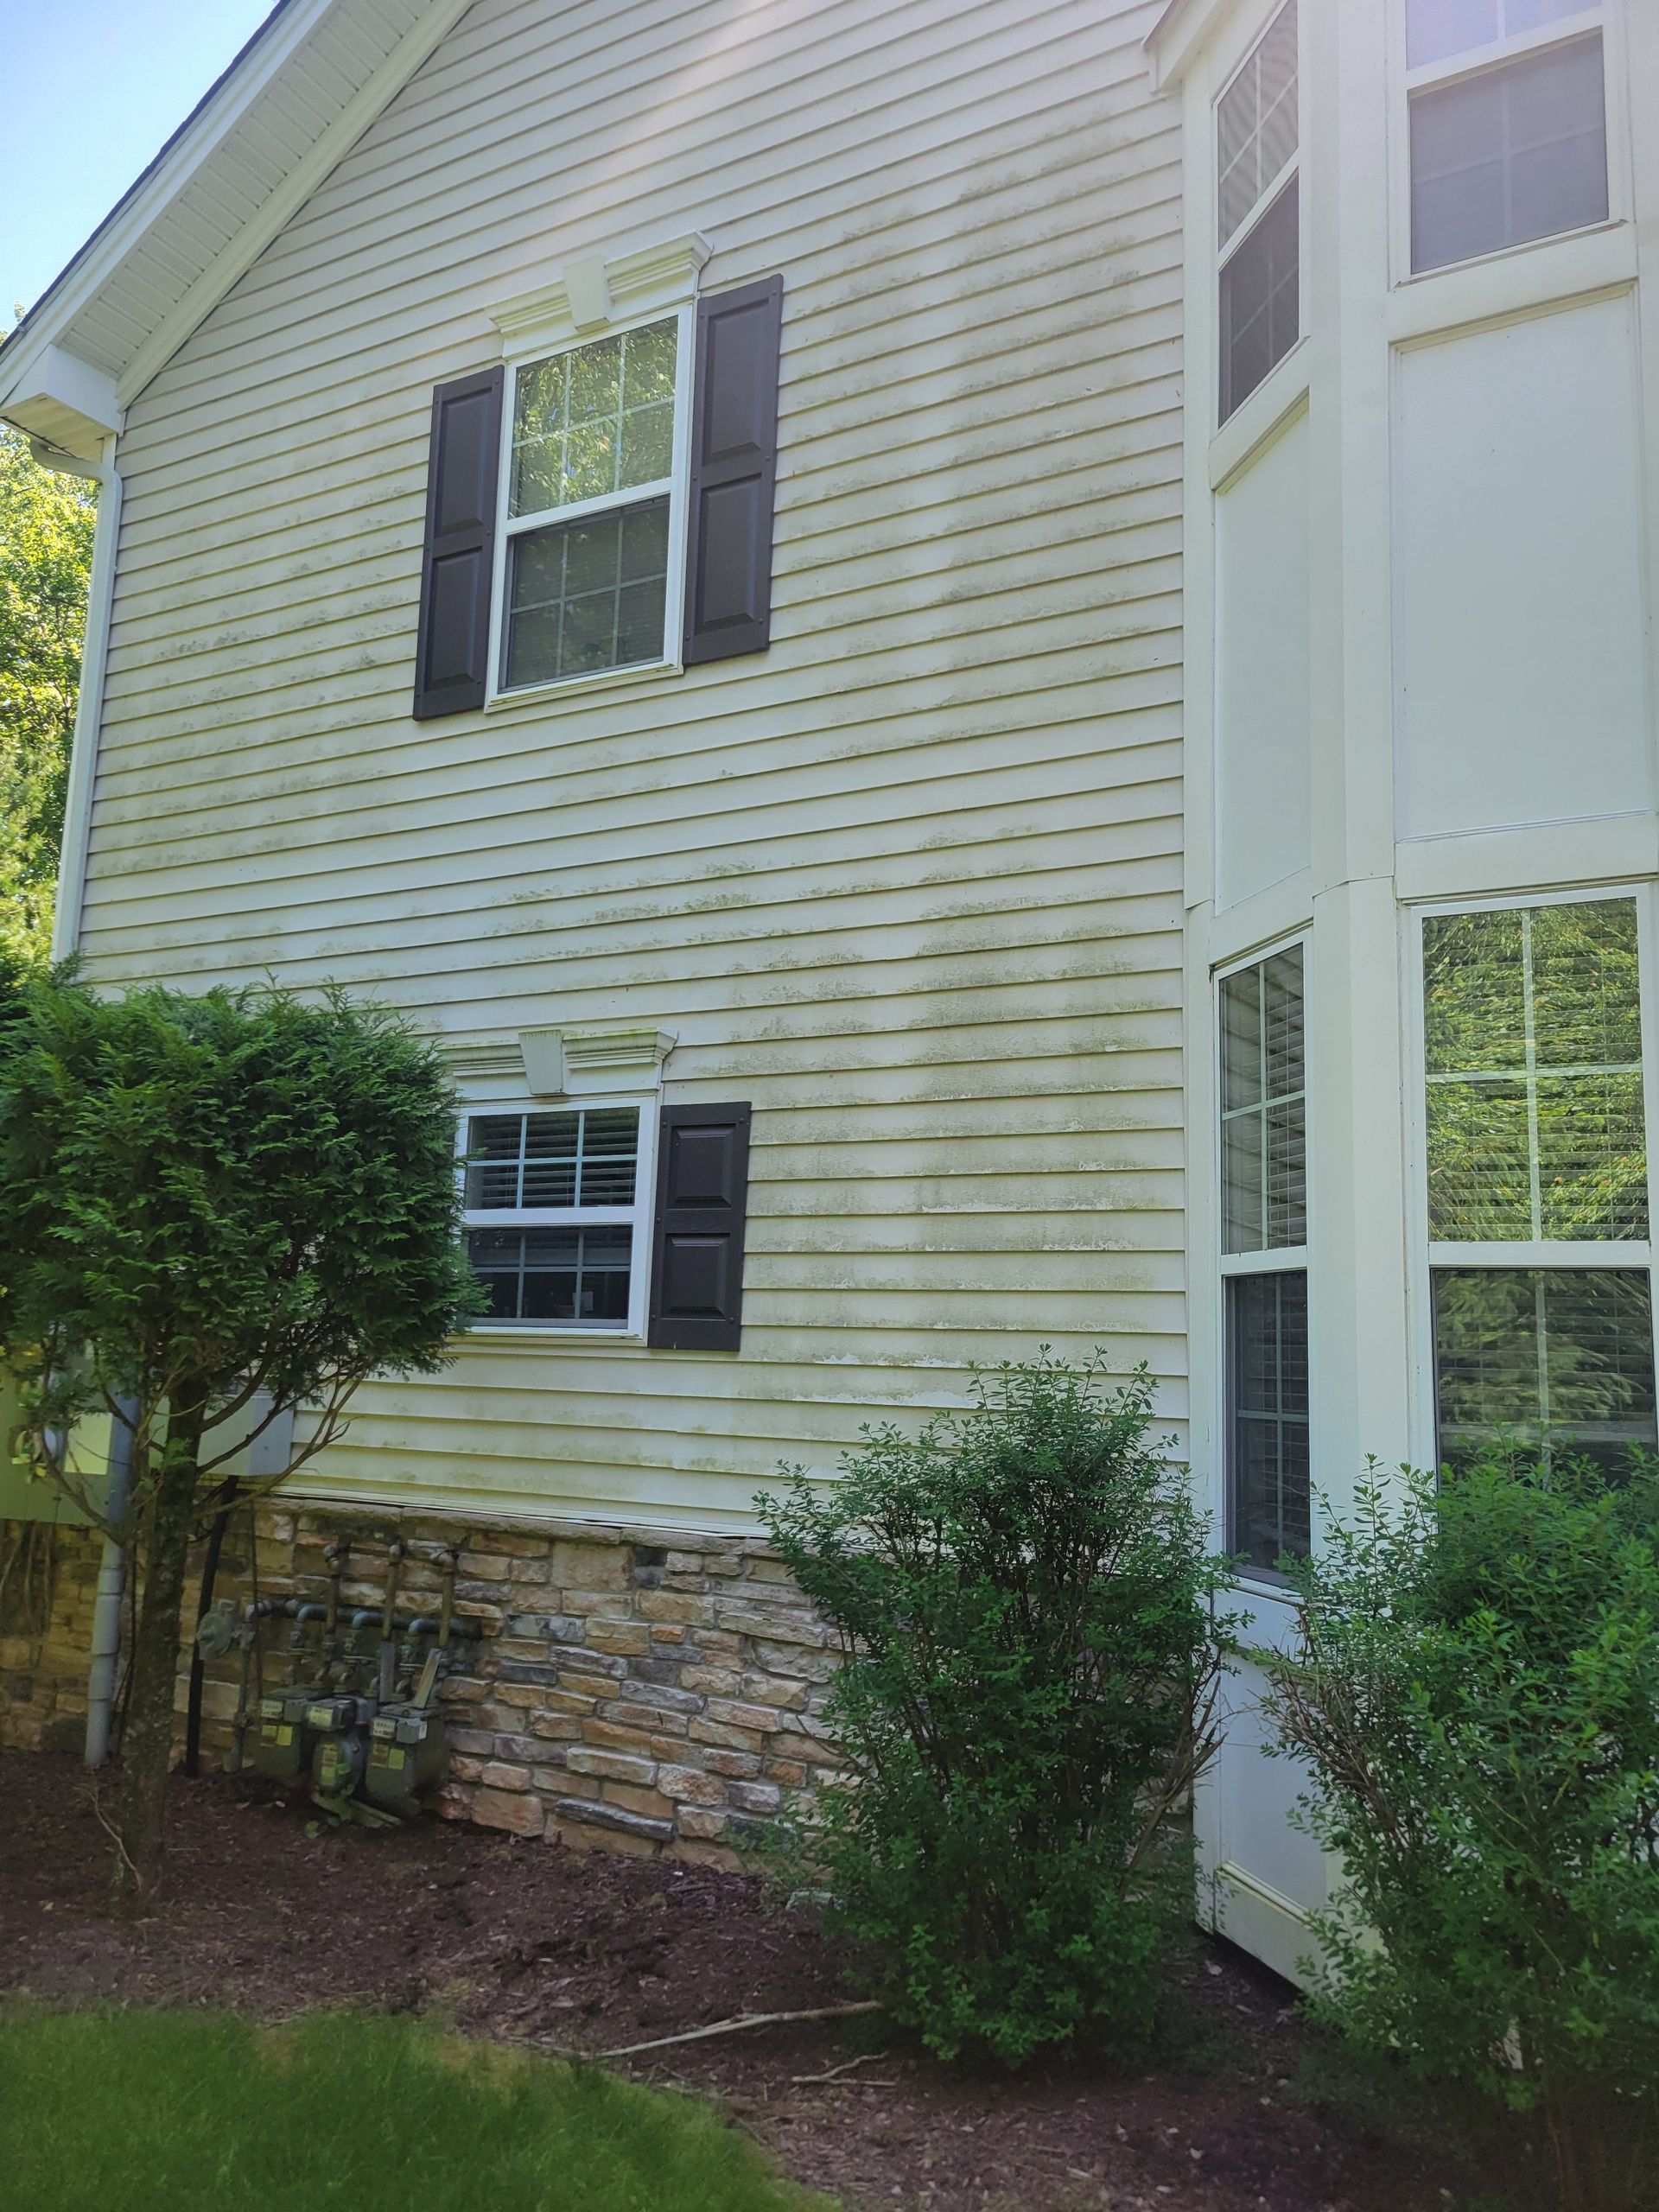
703, 1188
733, 462
452, 659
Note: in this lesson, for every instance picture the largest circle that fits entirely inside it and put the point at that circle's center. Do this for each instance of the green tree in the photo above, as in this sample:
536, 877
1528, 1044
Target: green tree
45, 554
213, 1209
1476, 1696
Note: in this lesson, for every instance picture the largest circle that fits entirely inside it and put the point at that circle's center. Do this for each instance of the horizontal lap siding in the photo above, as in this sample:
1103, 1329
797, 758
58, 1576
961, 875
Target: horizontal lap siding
911, 882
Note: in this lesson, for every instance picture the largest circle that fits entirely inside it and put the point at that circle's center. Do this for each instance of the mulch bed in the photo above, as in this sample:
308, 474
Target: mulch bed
579, 1952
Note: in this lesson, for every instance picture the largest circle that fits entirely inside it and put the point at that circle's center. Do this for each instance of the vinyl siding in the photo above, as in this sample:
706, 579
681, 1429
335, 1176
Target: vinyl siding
910, 881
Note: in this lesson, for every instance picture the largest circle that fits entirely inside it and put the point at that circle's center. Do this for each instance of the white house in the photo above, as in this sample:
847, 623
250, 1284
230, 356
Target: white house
989, 666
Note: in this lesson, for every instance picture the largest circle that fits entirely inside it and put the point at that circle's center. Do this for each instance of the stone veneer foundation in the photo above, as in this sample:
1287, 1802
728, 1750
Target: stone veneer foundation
639, 1690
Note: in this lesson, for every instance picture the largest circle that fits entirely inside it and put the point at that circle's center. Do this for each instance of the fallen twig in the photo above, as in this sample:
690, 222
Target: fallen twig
745, 2020
866, 2058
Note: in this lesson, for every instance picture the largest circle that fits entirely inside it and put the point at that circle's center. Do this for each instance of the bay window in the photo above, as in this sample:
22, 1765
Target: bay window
1264, 1257
1536, 1153
1508, 124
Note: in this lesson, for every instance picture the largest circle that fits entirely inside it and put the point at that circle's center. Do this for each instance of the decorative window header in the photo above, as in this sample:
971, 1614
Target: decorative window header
583, 1062
591, 293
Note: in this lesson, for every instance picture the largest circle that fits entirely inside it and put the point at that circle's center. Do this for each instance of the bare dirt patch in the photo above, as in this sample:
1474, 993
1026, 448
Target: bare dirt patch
532, 1942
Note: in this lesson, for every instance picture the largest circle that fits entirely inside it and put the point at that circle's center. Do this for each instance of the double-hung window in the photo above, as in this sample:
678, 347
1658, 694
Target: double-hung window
594, 529
1264, 1257
1507, 106
1535, 1149
558, 1216
1258, 212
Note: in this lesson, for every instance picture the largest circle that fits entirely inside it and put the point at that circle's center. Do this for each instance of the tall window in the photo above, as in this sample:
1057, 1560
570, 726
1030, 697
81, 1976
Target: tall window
555, 1226
1509, 127
1258, 215
591, 482
1536, 1152
1264, 1257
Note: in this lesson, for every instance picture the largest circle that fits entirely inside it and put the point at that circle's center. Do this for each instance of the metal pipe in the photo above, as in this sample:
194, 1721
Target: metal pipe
111, 1579
388, 1617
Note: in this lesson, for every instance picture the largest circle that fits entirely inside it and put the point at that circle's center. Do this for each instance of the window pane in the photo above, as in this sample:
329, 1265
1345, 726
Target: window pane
1267, 1329
1260, 307
1518, 152
587, 595
1533, 1038
595, 421
1437, 29
1553, 1358
542, 1161
1264, 1180
569, 1277
1256, 123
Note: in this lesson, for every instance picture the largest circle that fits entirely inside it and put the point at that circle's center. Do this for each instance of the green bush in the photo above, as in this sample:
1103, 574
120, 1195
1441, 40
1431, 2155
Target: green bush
1031, 1666
1477, 1697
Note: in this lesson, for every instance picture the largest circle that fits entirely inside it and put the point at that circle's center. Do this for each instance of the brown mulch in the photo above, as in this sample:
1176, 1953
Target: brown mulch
270, 1912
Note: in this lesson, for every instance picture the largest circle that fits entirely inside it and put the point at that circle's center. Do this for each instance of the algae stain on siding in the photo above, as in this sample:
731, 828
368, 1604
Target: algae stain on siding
911, 882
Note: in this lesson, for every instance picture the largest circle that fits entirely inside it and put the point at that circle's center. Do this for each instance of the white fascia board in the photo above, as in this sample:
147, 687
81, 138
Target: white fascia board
415, 47
217, 120
1178, 34
61, 400
220, 117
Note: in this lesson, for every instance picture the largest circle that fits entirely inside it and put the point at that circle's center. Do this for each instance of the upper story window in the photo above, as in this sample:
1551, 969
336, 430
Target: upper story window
594, 491
1258, 215
1535, 1146
1508, 124
605, 504
1264, 1257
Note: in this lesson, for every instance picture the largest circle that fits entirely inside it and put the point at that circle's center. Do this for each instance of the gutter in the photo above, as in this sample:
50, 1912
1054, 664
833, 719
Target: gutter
89, 710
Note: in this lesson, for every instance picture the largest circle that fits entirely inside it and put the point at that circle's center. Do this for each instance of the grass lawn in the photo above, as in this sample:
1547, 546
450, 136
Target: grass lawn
180, 2111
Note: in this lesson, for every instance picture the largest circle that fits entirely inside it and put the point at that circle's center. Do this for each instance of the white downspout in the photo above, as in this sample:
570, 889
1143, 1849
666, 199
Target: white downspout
89, 711
66, 939
107, 1605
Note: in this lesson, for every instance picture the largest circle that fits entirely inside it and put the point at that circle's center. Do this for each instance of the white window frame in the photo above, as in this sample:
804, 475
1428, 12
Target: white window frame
1600, 16
1220, 255
1285, 1259
1425, 1254
676, 484
641, 1216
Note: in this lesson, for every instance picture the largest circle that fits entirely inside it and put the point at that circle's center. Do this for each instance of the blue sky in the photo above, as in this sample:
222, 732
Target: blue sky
93, 90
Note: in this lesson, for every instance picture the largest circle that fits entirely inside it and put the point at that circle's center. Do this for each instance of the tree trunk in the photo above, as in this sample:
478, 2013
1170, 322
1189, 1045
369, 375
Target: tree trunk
147, 1738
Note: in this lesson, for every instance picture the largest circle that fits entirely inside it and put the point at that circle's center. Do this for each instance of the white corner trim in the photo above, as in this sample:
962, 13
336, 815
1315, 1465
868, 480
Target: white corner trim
594, 291
63, 402
89, 714
1178, 34
364, 108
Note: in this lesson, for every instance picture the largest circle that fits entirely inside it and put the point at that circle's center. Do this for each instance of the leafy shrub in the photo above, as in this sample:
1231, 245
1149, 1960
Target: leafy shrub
1031, 1666
1477, 1698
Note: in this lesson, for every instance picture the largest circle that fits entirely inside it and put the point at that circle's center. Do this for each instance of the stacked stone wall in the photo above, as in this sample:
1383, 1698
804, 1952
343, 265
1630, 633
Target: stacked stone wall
643, 1691
49, 1579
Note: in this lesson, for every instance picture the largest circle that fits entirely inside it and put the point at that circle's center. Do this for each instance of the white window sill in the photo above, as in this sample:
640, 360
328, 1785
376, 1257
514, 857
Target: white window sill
526, 1333
542, 694
1515, 280
1279, 396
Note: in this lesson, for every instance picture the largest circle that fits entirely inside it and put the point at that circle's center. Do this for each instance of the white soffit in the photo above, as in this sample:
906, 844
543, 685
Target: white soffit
295, 100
